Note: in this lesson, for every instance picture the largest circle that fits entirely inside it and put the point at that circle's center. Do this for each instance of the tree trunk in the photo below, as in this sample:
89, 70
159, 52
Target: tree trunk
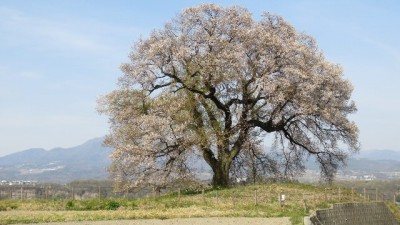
221, 176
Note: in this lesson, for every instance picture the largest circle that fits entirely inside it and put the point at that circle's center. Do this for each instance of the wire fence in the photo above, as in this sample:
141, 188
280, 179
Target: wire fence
57, 192
258, 195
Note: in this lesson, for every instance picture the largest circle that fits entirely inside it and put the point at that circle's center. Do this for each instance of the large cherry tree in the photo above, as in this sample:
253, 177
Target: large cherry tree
212, 83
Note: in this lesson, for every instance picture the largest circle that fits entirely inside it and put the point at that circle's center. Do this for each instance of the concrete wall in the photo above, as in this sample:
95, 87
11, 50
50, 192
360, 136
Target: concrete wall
374, 213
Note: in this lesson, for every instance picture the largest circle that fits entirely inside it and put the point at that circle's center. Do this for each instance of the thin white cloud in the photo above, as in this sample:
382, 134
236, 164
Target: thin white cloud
64, 34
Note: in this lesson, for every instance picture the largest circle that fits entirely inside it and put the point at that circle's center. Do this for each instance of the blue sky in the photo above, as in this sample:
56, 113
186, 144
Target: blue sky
57, 57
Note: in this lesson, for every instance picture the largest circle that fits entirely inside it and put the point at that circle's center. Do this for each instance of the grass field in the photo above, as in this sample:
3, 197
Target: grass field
243, 201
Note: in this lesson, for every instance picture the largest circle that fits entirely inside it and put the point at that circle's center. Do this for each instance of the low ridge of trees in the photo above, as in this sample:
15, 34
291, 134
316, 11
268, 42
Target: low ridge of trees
211, 84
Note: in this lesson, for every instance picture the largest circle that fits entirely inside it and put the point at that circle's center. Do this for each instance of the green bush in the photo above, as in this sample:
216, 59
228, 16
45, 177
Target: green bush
112, 205
133, 205
70, 205
93, 204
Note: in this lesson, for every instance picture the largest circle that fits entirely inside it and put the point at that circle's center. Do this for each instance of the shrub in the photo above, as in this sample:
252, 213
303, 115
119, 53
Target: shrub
112, 205
93, 204
70, 205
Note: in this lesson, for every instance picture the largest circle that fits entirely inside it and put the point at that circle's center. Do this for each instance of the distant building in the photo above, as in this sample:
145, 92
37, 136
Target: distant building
369, 177
18, 182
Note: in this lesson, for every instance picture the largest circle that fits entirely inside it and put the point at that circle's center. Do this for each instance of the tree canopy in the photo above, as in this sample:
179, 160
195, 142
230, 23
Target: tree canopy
211, 84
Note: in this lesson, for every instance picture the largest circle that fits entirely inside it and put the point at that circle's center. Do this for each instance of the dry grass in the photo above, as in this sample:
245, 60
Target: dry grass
234, 202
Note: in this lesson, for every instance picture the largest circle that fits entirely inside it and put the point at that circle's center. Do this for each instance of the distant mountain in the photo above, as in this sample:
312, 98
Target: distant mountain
60, 165
376, 164
91, 159
372, 166
379, 155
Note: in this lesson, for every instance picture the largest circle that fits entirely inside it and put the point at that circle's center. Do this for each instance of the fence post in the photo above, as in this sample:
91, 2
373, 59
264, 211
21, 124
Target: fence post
255, 197
216, 196
365, 194
202, 195
326, 195
22, 190
280, 198
394, 199
99, 192
339, 195
376, 194
352, 194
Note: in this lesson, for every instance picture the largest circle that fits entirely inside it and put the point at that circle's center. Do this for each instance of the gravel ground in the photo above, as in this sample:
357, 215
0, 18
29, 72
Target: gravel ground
186, 221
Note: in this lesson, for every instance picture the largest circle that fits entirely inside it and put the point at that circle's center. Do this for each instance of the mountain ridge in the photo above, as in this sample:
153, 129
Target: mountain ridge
384, 154
90, 160
60, 165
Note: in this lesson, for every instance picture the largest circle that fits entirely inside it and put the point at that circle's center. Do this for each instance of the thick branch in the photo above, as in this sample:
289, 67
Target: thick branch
158, 86
268, 126
207, 153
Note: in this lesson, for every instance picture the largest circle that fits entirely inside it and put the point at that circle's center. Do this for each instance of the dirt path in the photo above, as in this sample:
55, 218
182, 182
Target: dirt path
186, 221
